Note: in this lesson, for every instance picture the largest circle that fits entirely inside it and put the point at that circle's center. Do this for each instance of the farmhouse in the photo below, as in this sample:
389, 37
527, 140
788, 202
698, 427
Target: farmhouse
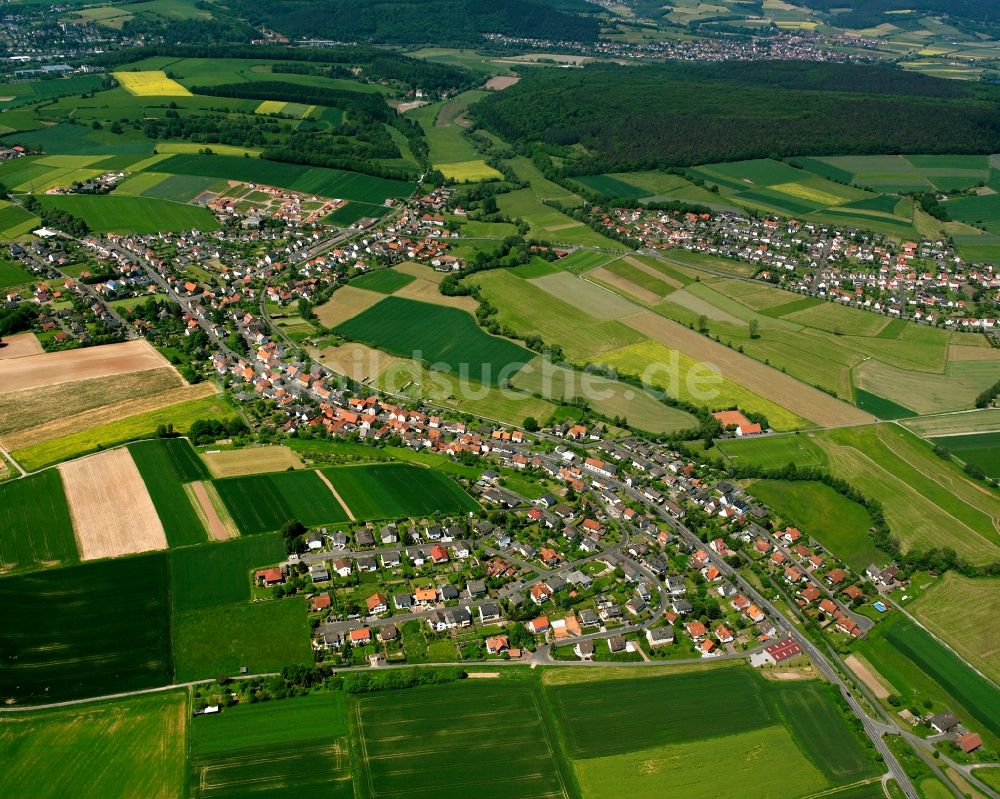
269, 577
736, 421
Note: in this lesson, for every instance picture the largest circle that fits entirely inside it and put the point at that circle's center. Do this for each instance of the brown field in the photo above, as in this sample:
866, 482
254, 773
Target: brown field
358, 361
427, 291
254, 460
346, 303
801, 399
110, 506
963, 352
22, 410
501, 82
419, 270
66, 425
865, 673
587, 297
602, 275
52, 368
19, 346
210, 510
686, 299
649, 270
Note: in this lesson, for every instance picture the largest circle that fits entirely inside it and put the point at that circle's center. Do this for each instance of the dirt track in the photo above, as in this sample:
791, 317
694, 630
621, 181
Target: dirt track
111, 509
218, 530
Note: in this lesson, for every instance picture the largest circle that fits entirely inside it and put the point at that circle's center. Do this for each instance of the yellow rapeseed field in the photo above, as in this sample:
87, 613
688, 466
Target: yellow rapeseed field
150, 84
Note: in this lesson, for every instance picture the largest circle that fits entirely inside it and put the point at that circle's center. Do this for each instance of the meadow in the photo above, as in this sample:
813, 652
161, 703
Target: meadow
264, 502
35, 526
960, 611
268, 749
263, 636
86, 630
131, 747
437, 335
218, 573
388, 491
142, 425
165, 465
840, 525
115, 214
14, 222
384, 281
451, 740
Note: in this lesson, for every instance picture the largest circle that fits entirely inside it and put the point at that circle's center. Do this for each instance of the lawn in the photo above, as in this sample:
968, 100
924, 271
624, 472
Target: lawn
218, 573
86, 630
266, 750
165, 465
774, 452
961, 611
978, 449
263, 636
35, 526
112, 214
389, 491
488, 736
264, 502
131, 747
445, 338
840, 525
141, 425
384, 281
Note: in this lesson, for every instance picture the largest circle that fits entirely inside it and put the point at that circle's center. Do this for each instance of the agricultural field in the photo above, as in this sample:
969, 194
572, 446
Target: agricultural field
550, 224
904, 173
977, 449
265, 502
927, 502
296, 745
255, 460
263, 636
150, 84
131, 747
346, 303
116, 214
479, 725
393, 491
986, 420
648, 186
840, 525
93, 629
165, 465
219, 573
35, 527
384, 281
442, 337
608, 397
142, 425
443, 124
469, 171
960, 611
14, 222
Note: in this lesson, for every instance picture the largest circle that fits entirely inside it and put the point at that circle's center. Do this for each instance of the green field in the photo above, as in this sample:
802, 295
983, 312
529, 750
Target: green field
263, 636
14, 222
261, 503
142, 425
478, 738
219, 573
10, 274
550, 224
840, 525
35, 526
446, 338
165, 465
384, 281
87, 630
905, 173
880, 406
395, 490
112, 214
979, 449
132, 747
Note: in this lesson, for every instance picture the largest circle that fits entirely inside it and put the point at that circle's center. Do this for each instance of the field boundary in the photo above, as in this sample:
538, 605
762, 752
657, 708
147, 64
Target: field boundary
336, 495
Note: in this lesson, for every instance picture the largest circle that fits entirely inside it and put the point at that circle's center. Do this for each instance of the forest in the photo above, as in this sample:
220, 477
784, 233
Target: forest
411, 22
643, 117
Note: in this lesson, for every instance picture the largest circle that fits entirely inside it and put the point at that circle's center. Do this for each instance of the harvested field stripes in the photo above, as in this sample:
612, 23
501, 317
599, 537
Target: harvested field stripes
53, 368
211, 511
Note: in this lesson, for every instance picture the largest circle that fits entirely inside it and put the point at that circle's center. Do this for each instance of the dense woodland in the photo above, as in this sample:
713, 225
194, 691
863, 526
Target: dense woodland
645, 117
440, 22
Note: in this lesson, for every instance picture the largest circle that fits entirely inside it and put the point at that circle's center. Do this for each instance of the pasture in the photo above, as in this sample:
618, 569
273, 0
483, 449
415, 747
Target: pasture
219, 573
445, 338
264, 502
478, 726
960, 611
87, 630
153, 83
840, 525
114, 214
263, 636
165, 465
388, 491
297, 744
131, 747
35, 526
